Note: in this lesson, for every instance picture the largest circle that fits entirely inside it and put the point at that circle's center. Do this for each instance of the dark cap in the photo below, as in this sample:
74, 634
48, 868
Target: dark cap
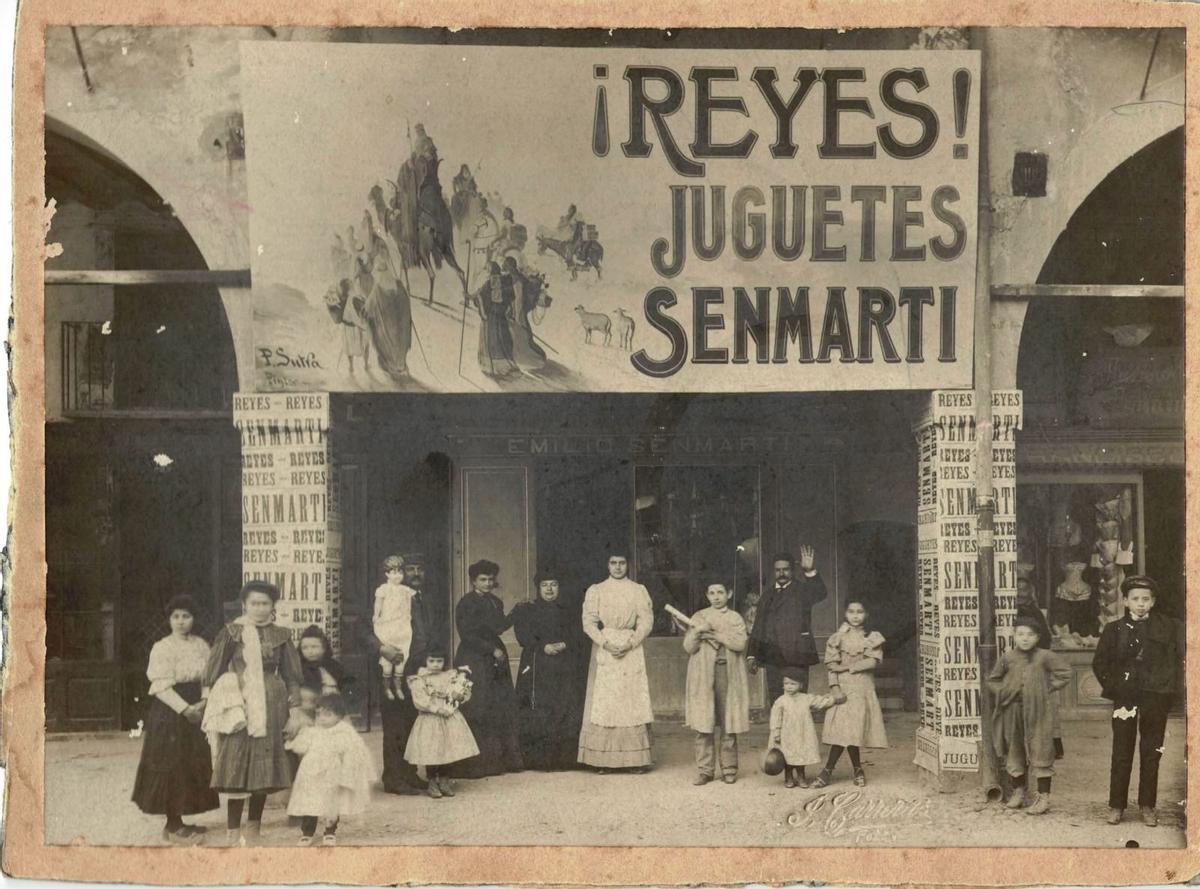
1030, 623
1139, 582
414, 558
796, 674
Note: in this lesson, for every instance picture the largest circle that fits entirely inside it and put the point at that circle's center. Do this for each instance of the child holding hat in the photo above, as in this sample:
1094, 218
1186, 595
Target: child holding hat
792, 730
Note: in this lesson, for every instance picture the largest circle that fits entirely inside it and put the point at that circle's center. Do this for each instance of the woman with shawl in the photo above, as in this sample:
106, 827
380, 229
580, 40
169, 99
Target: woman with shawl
548, 718
253, 674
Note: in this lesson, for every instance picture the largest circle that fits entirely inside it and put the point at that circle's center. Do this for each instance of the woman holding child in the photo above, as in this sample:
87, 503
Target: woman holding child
253, 673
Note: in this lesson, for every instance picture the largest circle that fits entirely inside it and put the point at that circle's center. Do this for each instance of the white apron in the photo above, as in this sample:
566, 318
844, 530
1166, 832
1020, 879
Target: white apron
618, 688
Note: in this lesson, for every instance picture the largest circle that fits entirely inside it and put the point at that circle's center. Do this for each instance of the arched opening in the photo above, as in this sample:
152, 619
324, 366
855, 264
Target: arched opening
142, 460
1129, 230
1101, 481
168, 347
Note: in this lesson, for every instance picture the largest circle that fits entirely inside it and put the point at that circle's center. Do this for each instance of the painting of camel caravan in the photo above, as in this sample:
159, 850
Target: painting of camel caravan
492, 218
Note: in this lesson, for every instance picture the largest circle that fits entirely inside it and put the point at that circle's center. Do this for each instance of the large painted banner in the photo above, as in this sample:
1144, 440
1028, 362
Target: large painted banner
466, 219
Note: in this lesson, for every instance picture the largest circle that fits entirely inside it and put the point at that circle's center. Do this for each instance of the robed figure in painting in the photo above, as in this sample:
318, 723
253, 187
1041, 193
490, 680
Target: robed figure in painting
495, 301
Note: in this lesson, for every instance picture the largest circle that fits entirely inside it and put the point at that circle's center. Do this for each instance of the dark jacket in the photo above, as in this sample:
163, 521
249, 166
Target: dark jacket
782, 634
1145, 657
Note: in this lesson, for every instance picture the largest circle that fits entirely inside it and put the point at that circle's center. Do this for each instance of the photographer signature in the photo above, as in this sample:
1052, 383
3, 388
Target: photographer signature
853, 814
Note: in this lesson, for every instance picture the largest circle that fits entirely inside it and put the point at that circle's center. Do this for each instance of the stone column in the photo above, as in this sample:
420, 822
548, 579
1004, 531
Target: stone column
947, 584
291, 529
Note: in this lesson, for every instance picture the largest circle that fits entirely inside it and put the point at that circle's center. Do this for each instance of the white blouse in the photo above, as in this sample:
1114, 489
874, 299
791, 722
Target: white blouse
174, 660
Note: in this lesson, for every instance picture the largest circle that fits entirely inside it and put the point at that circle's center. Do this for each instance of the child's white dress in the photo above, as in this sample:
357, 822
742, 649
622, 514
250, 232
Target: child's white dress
858, 722
441, 734
392, 620
335, 774
791, 720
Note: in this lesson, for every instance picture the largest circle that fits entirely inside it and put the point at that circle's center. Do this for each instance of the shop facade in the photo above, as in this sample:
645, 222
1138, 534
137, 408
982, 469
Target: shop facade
1086, 371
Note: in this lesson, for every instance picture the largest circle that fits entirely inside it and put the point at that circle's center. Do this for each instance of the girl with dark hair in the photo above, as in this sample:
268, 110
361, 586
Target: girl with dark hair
550, 634
175, 768
856, 719
250, 760
440, 735
491, 712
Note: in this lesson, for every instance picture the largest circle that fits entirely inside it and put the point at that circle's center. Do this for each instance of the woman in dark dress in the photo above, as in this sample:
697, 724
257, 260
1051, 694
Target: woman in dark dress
549, 715
250, 760
175, 768
491, 712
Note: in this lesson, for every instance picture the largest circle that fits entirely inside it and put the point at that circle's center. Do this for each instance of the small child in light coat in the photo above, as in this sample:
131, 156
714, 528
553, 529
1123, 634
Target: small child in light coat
718, 692
792, 730
335, 774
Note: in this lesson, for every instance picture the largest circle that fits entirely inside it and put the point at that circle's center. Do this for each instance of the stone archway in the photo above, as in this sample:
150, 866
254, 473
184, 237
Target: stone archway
1129, 230
214, 226
170, 347
1103, 161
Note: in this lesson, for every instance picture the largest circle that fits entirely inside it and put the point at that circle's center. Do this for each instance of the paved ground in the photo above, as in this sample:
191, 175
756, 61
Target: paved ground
89, 778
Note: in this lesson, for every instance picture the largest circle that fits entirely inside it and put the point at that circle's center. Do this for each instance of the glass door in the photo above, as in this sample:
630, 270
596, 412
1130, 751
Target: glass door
697, 525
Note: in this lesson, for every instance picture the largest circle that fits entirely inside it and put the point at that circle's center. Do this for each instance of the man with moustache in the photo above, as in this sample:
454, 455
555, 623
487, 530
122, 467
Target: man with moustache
400, 776
782, 635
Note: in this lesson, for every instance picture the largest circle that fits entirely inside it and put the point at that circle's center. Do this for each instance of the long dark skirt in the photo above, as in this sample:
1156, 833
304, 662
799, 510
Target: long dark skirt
548, 719
492, 715
174, 771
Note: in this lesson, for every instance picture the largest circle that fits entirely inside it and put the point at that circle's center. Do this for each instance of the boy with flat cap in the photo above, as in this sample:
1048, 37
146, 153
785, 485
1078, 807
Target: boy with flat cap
1139, 662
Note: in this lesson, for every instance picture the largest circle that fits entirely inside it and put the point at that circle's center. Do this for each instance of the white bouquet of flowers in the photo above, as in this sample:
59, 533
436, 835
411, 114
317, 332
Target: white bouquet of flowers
460, 688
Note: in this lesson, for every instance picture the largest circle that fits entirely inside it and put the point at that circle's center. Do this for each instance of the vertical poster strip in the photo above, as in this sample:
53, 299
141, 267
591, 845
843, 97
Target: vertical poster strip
290, 530
947, 570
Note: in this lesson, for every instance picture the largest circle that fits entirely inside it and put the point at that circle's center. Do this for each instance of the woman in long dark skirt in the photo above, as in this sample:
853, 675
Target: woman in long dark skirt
549, 715
261, 658
175, 768
492, 710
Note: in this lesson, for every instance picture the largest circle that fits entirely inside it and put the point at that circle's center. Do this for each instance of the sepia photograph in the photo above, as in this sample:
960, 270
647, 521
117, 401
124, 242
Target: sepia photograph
688, 438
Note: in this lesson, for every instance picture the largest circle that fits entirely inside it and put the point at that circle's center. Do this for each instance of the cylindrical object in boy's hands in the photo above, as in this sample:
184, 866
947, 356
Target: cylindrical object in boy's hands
773, 761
